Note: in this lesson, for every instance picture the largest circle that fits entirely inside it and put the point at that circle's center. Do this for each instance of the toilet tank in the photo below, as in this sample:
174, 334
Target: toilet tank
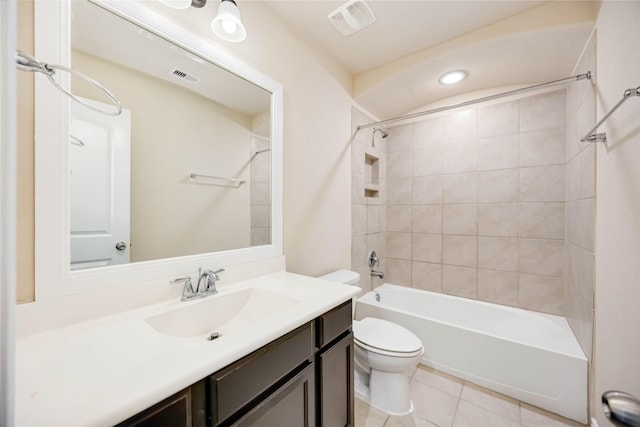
347, 277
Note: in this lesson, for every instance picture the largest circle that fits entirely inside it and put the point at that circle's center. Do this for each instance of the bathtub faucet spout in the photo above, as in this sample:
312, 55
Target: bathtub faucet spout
378, 274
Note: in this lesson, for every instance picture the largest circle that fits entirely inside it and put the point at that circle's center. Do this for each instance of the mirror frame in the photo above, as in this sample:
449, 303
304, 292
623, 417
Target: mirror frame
53, 276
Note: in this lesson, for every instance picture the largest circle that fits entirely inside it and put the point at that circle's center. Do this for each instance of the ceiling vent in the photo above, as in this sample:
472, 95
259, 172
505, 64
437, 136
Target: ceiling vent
352, 17
184, 76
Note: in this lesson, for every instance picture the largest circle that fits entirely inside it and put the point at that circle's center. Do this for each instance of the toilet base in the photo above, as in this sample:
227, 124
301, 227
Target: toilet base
386, 391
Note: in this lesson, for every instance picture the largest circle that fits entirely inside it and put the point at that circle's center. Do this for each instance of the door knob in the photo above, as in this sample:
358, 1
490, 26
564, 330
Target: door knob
121, 246
621, 408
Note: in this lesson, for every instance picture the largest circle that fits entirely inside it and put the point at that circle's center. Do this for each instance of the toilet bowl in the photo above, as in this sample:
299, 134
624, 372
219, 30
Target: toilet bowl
384, 352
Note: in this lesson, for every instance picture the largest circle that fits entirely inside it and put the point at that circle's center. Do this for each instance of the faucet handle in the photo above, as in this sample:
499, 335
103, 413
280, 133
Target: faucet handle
215, 273
187, 292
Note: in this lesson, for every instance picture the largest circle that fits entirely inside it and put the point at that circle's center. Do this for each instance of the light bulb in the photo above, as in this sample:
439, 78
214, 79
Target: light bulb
176, 4
452, 77
229, 26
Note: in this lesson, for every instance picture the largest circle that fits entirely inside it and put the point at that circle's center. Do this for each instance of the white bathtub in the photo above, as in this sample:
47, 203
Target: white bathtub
530, 356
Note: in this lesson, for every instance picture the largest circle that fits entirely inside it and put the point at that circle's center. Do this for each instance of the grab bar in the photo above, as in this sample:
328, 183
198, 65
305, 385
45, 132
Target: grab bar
25, 62
236, 182
602, 136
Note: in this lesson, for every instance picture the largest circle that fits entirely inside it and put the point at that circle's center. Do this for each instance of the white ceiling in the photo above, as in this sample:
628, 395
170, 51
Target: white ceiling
396, 61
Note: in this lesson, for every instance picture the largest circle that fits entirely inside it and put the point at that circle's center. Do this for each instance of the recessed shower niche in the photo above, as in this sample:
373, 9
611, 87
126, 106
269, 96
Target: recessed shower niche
371, 175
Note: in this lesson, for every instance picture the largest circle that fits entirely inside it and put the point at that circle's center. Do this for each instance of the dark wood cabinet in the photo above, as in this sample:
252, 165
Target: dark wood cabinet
303, 379
186, 408
335, 368
335, 373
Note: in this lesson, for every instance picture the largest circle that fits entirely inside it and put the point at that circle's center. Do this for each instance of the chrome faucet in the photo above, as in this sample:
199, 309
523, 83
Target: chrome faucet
209, 278
209, 288
378, 274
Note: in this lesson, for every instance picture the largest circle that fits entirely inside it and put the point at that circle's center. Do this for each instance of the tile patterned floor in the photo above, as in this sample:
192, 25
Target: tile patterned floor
441, 400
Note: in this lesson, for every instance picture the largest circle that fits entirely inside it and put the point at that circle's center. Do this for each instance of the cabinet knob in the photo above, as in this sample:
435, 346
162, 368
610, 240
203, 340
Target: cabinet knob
121, 246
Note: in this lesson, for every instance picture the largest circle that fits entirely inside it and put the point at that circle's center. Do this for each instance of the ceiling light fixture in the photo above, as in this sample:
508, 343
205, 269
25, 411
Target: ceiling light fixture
452, 77
227, 24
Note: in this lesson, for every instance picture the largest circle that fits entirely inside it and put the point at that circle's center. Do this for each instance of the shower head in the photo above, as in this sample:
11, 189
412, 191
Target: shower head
382, 132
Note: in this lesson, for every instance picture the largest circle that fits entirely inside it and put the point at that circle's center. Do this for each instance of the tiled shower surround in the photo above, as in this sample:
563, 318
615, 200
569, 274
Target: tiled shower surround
474, 203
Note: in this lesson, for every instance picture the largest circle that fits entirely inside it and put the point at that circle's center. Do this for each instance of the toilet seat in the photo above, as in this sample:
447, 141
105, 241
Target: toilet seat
386, 338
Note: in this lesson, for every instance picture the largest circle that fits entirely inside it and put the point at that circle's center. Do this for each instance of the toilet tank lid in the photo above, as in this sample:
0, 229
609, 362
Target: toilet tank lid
347, 277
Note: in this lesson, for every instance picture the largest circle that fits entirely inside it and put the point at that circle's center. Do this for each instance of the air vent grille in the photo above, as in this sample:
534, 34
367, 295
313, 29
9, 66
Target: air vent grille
184, 76
352, 17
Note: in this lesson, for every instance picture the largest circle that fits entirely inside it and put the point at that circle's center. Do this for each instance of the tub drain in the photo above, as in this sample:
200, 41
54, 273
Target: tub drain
213, 335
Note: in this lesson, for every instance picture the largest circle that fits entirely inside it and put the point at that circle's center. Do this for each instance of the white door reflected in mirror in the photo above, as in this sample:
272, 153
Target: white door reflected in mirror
100, 158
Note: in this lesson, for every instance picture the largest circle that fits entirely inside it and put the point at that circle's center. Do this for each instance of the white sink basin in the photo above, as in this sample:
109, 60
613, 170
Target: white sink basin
219, 313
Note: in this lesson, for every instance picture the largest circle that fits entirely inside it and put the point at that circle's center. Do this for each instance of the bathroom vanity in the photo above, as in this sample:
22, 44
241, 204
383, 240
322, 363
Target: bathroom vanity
304, 378
294, 363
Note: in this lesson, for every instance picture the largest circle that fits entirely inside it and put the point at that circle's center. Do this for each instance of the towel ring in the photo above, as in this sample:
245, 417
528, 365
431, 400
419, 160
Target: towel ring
29, 63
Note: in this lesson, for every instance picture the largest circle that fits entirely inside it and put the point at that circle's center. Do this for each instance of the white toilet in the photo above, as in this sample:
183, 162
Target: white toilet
384, 352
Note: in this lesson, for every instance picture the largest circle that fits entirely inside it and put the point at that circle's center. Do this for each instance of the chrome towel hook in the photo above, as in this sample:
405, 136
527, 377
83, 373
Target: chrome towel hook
28, 63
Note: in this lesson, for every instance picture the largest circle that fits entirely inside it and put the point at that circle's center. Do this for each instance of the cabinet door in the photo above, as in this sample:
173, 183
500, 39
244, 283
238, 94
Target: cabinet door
183, 409
292, 405
335, 367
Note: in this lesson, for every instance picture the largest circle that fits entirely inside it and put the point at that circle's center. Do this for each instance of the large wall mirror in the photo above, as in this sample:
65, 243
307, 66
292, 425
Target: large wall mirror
188, 174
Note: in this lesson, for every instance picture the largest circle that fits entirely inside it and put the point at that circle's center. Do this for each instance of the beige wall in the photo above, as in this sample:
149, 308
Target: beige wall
617, 292
317, 107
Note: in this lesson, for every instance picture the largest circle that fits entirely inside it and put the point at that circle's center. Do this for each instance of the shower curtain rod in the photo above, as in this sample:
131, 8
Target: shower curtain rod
586, 75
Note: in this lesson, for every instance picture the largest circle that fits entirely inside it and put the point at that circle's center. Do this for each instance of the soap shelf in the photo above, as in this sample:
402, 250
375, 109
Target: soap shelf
372, 174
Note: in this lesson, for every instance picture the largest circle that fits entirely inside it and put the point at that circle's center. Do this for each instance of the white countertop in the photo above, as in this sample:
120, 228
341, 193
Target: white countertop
101, 372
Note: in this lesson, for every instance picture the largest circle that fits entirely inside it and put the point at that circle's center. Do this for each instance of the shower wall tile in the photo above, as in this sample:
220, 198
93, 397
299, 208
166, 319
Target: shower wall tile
260, 193
399, 164
581, 223
542, 147
581, 175
540, 256
499, 119
427, 190
461, 125
399, 139
427, 247
358, 220
474, 203
460, 157
261, 216
377, 242
399, 218
357, 157
427, 219
426, 276
498, 220
498, 152
398, 245
500, 287
427, 160
427, 132
541, 293
373, 219
398, 272
460, 219
460, 188
399, 191
460, 281
499, 186
359, 250
498, 253
460, 250
542, 111
357, 188
542, 220
542, 184
580, 265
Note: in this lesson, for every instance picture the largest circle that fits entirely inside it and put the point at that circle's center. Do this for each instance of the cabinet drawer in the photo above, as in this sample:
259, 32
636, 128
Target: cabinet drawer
236, 386
333, 323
